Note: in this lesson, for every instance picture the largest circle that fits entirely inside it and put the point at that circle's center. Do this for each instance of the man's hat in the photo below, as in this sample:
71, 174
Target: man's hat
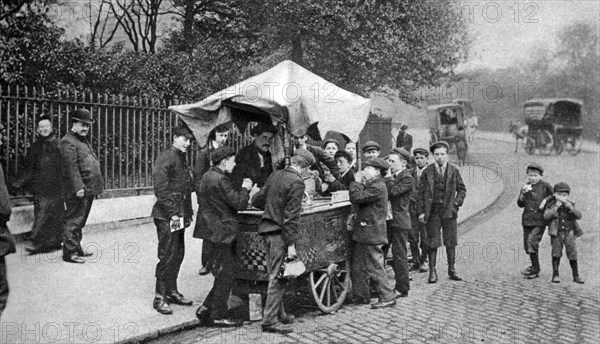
263, 127
562, 187
422, 151
371, 145
534, 166
183, 130
378, 163
308, 156
403, 153
343, 154
221, 153
82, 115
404, 127
337, 143
437, 145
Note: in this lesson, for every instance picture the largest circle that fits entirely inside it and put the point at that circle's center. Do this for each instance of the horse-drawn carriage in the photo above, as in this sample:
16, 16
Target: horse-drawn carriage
444, 123
554, 125
285, 97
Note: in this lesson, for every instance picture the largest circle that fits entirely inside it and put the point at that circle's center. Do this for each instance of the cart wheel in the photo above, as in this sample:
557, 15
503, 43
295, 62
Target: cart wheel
546, 142
559, 146
575, 146
330, 286
529, 145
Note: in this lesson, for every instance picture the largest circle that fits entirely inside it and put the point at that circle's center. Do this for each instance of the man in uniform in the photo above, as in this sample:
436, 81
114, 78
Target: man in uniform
219, 202
399, 186
404, 140
83, 182
254, 161
216, 139
173, 189
441, 193
44, 169
7, 242
281, 198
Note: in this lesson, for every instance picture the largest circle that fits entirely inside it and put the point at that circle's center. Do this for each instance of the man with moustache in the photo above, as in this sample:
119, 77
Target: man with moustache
254, 161
441, 194
44, 171
172, 182
82, 183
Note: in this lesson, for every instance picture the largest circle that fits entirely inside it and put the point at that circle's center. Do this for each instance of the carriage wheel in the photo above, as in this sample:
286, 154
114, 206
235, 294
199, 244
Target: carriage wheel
330, 286
545, 142
529, 145
575, 146
559, 146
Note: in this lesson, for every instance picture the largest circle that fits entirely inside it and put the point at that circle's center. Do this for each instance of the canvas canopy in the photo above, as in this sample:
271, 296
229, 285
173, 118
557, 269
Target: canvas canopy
287, 94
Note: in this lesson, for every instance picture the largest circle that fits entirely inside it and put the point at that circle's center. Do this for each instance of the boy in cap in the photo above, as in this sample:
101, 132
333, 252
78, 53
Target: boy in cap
281, 198
83, 182
219, 201
399, 187
369, 196
172, 182
441, 194
371, 150
417, 237
563, 229
532, 193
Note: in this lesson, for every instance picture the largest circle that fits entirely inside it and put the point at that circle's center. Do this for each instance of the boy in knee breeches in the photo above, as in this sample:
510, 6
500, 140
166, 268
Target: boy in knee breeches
563, 229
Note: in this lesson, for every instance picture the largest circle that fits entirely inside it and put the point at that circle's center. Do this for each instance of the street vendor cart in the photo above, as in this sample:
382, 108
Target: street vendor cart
288, 97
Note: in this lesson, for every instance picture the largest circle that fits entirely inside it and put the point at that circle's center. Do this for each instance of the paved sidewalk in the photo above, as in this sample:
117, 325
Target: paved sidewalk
109, 298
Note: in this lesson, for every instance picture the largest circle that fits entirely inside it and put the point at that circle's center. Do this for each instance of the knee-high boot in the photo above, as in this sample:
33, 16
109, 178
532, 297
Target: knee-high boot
555, 265
576, 277
414, 252
451, 254
432, 260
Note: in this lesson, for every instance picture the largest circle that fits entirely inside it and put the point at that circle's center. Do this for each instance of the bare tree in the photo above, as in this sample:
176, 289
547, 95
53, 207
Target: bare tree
103, 24
139, 21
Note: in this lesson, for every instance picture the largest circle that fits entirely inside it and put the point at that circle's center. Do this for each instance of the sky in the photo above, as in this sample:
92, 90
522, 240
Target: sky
506, 32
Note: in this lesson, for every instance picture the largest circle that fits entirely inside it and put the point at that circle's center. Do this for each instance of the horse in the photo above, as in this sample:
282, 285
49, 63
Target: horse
519, 131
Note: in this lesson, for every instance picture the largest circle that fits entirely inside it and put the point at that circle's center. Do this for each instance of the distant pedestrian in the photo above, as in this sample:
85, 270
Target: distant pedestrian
83, 182
563, 229
531, 196
173, 190
44, 172
369, 196
219, 201
281, 198
417, 237
399, 187
216, 139
441, 194
461, 145
7, 242
371, 149
404, 139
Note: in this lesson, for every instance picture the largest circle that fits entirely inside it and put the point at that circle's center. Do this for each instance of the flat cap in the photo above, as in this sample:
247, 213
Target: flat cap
403, 153
221, 153
308, 156
371, 145
404, 127
535, 166
562, 187
183, 130
82, 115
422, 151
437, 145
378, 163
263, 127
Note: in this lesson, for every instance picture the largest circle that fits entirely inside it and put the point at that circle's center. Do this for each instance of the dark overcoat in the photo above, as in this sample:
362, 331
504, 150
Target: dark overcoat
454, 196
82, 168
281, 198
370, 202
172, 185
399, 191
44, 168
219, 203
